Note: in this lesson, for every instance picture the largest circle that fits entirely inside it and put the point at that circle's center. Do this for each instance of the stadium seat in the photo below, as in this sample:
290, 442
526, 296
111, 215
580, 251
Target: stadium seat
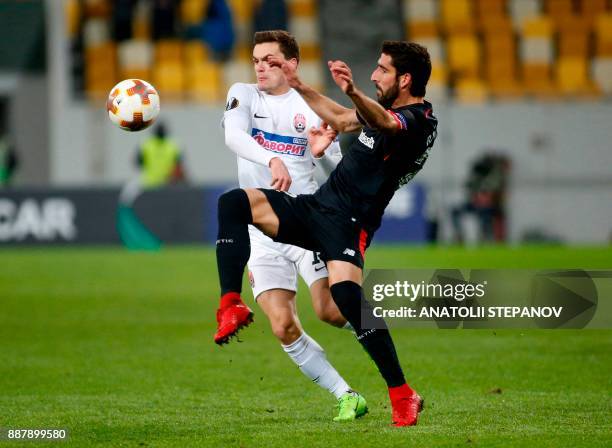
72, 14
603, 35
95, 32
204, 82
592, 8
195, 52
574, 44
169, 51
100, 69
303, 8
135, 54
536, 78
169, 79
237, 70
457, 16
471, 91
463, 56
487, 9
571, 74
521, 10
540, 26
602, 74
421, 18
97, 8
192, 11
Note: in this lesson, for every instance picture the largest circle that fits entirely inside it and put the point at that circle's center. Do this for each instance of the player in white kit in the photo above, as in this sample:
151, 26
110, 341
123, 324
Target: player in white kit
280, 141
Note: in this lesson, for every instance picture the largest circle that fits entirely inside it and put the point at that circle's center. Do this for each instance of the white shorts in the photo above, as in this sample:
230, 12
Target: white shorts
276, 266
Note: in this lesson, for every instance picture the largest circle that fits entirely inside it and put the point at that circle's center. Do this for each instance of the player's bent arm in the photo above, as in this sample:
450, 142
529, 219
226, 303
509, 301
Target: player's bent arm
241, 143
341, 118
374, 114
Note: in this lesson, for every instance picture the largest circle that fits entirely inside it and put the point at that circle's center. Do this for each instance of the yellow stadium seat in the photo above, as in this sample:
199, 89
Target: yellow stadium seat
302, 8
603, 35
457, 16
538, 27
574, 44
471, 91
100, 69
135, 73
501, 44
72, 13
97, 8
416, 30
559, 8
486, 9
496, 25
195, 52
592, 8
537, 79
204, 82
169, 51
141, 28
192, 11
310, 51
242, 10
463, 56
571, 75
169, 79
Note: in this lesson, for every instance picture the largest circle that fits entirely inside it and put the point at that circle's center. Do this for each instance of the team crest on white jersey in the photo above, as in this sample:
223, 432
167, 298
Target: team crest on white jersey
299, 122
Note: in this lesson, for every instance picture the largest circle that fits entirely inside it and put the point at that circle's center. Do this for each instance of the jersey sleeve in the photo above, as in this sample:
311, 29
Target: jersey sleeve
237, 122
404, 118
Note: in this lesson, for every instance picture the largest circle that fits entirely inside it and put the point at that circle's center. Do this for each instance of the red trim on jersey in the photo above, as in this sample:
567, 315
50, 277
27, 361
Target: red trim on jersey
397, 120
363, 240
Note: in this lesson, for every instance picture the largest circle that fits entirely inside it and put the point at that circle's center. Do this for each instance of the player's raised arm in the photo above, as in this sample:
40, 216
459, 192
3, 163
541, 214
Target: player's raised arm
369, 110
341, 118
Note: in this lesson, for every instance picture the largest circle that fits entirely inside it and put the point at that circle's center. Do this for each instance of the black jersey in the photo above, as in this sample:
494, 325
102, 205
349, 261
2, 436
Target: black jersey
377, 164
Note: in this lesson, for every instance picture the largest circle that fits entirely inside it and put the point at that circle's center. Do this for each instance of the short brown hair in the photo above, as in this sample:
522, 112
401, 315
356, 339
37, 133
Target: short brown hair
409, 57
286, 42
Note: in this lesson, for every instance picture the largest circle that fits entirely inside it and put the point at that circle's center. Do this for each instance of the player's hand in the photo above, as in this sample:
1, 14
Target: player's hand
320, 138
342, 75
289, 69
281, 180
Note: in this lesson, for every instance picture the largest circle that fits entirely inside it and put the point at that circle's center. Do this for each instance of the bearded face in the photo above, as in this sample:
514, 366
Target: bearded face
387, 97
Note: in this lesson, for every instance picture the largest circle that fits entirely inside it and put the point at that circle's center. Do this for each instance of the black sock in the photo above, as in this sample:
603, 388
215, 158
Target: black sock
233, 243
377, 342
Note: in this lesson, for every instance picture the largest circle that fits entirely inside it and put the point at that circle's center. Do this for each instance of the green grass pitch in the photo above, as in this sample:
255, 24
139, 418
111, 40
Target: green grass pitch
117, 347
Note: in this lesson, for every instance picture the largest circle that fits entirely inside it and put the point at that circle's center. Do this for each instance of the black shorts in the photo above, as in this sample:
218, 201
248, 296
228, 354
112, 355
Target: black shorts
305, 223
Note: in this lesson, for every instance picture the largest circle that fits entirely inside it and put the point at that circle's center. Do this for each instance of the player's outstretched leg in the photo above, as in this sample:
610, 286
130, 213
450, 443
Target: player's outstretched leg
233, 251
311, 359
406, 403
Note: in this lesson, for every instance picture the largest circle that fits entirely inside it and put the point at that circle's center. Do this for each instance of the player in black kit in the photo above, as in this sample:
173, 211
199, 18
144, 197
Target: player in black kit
340, 219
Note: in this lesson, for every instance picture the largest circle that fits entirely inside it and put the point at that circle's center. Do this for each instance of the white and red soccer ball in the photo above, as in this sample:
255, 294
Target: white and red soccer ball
133, 105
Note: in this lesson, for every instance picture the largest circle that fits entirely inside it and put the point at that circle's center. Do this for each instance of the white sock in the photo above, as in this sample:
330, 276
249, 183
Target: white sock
311, 359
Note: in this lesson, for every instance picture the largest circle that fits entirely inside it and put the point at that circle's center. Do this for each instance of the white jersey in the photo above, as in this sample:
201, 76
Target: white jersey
278, 125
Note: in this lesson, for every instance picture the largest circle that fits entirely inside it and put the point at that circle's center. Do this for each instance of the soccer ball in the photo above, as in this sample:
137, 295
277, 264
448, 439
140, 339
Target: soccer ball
133, 105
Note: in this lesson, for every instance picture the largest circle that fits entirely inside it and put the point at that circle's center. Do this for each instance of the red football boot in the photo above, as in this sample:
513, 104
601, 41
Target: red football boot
232, 315
406, 405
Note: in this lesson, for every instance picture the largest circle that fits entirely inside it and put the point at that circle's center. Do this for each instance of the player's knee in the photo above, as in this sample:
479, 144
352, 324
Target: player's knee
234, 204
285, 328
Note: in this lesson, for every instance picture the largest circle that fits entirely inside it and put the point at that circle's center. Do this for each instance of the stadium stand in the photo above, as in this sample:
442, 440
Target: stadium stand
481, 49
